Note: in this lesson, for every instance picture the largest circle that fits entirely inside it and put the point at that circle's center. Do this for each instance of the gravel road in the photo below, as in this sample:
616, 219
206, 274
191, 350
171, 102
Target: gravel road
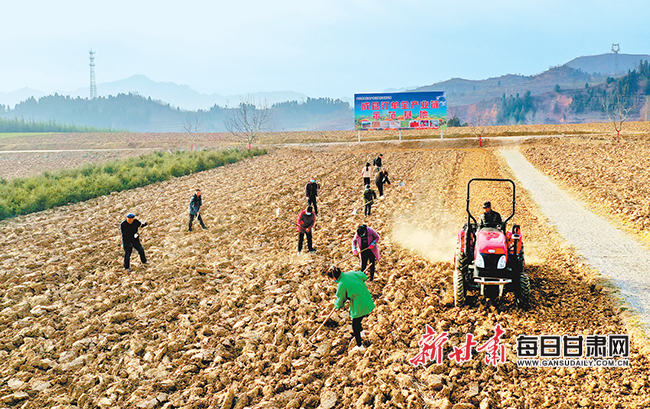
612, 252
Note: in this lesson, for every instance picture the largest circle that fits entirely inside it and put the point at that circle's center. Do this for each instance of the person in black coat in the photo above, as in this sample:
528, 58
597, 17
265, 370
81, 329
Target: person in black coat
311, 192
369, 196
305, 223
377, 162
131, 239
195, 209
382, 177
489, 218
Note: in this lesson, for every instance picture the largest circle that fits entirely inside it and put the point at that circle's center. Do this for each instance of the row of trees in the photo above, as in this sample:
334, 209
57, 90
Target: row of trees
16, 125
140, 114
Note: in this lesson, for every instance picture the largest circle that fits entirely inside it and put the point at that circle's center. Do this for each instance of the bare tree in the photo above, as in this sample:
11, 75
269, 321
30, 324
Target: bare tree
193, 122
479, 124
617, 106
248, 120
452, 117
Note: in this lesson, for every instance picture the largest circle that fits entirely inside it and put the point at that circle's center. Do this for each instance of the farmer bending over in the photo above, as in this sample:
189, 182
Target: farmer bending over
352, 286
365, 241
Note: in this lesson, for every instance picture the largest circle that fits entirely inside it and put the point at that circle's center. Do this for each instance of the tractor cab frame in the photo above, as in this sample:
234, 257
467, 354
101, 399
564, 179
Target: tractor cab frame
490, 258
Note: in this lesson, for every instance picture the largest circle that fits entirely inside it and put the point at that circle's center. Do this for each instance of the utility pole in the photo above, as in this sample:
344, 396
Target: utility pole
93, 86
615, 49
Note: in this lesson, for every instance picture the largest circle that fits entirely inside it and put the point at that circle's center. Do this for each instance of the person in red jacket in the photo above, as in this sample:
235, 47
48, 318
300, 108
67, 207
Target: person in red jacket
306, 221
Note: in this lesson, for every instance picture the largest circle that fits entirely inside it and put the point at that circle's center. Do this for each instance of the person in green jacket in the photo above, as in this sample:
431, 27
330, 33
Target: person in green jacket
352, 286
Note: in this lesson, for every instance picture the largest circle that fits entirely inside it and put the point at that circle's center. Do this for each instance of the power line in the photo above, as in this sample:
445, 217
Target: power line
93, 86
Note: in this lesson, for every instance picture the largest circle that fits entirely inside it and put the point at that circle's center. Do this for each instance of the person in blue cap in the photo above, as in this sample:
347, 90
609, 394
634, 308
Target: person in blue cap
131, 239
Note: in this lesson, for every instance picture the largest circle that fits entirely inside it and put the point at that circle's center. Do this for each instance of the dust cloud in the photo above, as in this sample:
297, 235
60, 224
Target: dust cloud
436, 244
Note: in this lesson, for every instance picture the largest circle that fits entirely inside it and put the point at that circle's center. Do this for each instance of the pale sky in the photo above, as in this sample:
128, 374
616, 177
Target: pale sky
321, 48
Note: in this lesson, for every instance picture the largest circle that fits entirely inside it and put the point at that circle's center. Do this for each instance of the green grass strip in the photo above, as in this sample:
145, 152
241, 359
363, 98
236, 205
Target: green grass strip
27, 195
16, 125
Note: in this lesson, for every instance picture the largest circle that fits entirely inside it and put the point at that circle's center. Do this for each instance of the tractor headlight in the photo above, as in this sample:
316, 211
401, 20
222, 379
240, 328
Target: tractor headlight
479, 261
502, 263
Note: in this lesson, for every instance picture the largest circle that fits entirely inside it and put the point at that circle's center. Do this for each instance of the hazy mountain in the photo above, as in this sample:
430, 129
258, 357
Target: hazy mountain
181, 96
14, 97
461, 93
403, 89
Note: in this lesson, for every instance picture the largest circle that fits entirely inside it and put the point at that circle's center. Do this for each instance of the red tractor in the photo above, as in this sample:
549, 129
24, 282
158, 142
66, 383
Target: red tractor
490, 258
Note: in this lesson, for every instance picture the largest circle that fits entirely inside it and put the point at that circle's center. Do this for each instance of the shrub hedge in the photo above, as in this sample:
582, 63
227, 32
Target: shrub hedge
27, 195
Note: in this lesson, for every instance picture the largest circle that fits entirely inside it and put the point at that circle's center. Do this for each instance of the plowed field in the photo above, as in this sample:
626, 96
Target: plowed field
221, 317
612, 176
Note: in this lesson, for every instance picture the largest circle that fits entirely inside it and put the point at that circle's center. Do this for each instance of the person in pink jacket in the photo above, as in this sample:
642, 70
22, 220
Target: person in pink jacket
365, 242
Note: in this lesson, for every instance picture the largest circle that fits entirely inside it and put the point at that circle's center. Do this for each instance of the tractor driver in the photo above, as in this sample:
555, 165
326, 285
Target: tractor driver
489, 218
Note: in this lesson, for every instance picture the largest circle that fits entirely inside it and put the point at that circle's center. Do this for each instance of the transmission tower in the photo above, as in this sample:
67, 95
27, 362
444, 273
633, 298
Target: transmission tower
615, 49
93, 86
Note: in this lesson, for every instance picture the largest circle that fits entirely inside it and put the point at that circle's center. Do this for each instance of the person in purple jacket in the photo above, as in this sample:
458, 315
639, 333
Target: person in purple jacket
365, 242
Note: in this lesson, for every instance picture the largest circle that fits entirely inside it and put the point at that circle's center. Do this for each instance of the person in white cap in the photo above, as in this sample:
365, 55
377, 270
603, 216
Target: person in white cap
131, 239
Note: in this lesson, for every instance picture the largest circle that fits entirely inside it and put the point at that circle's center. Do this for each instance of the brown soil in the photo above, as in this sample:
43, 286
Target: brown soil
222, 317
612, 176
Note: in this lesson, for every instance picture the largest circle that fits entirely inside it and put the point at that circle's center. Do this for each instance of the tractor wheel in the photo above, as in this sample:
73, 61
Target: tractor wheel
459, 288
523, 292
462, 262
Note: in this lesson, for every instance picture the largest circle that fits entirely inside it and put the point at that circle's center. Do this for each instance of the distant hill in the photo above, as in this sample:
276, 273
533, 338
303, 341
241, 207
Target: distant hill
181, 96
593, 103
575, 74
604, 63
14, 97
465, 92
138, 103
139, 114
